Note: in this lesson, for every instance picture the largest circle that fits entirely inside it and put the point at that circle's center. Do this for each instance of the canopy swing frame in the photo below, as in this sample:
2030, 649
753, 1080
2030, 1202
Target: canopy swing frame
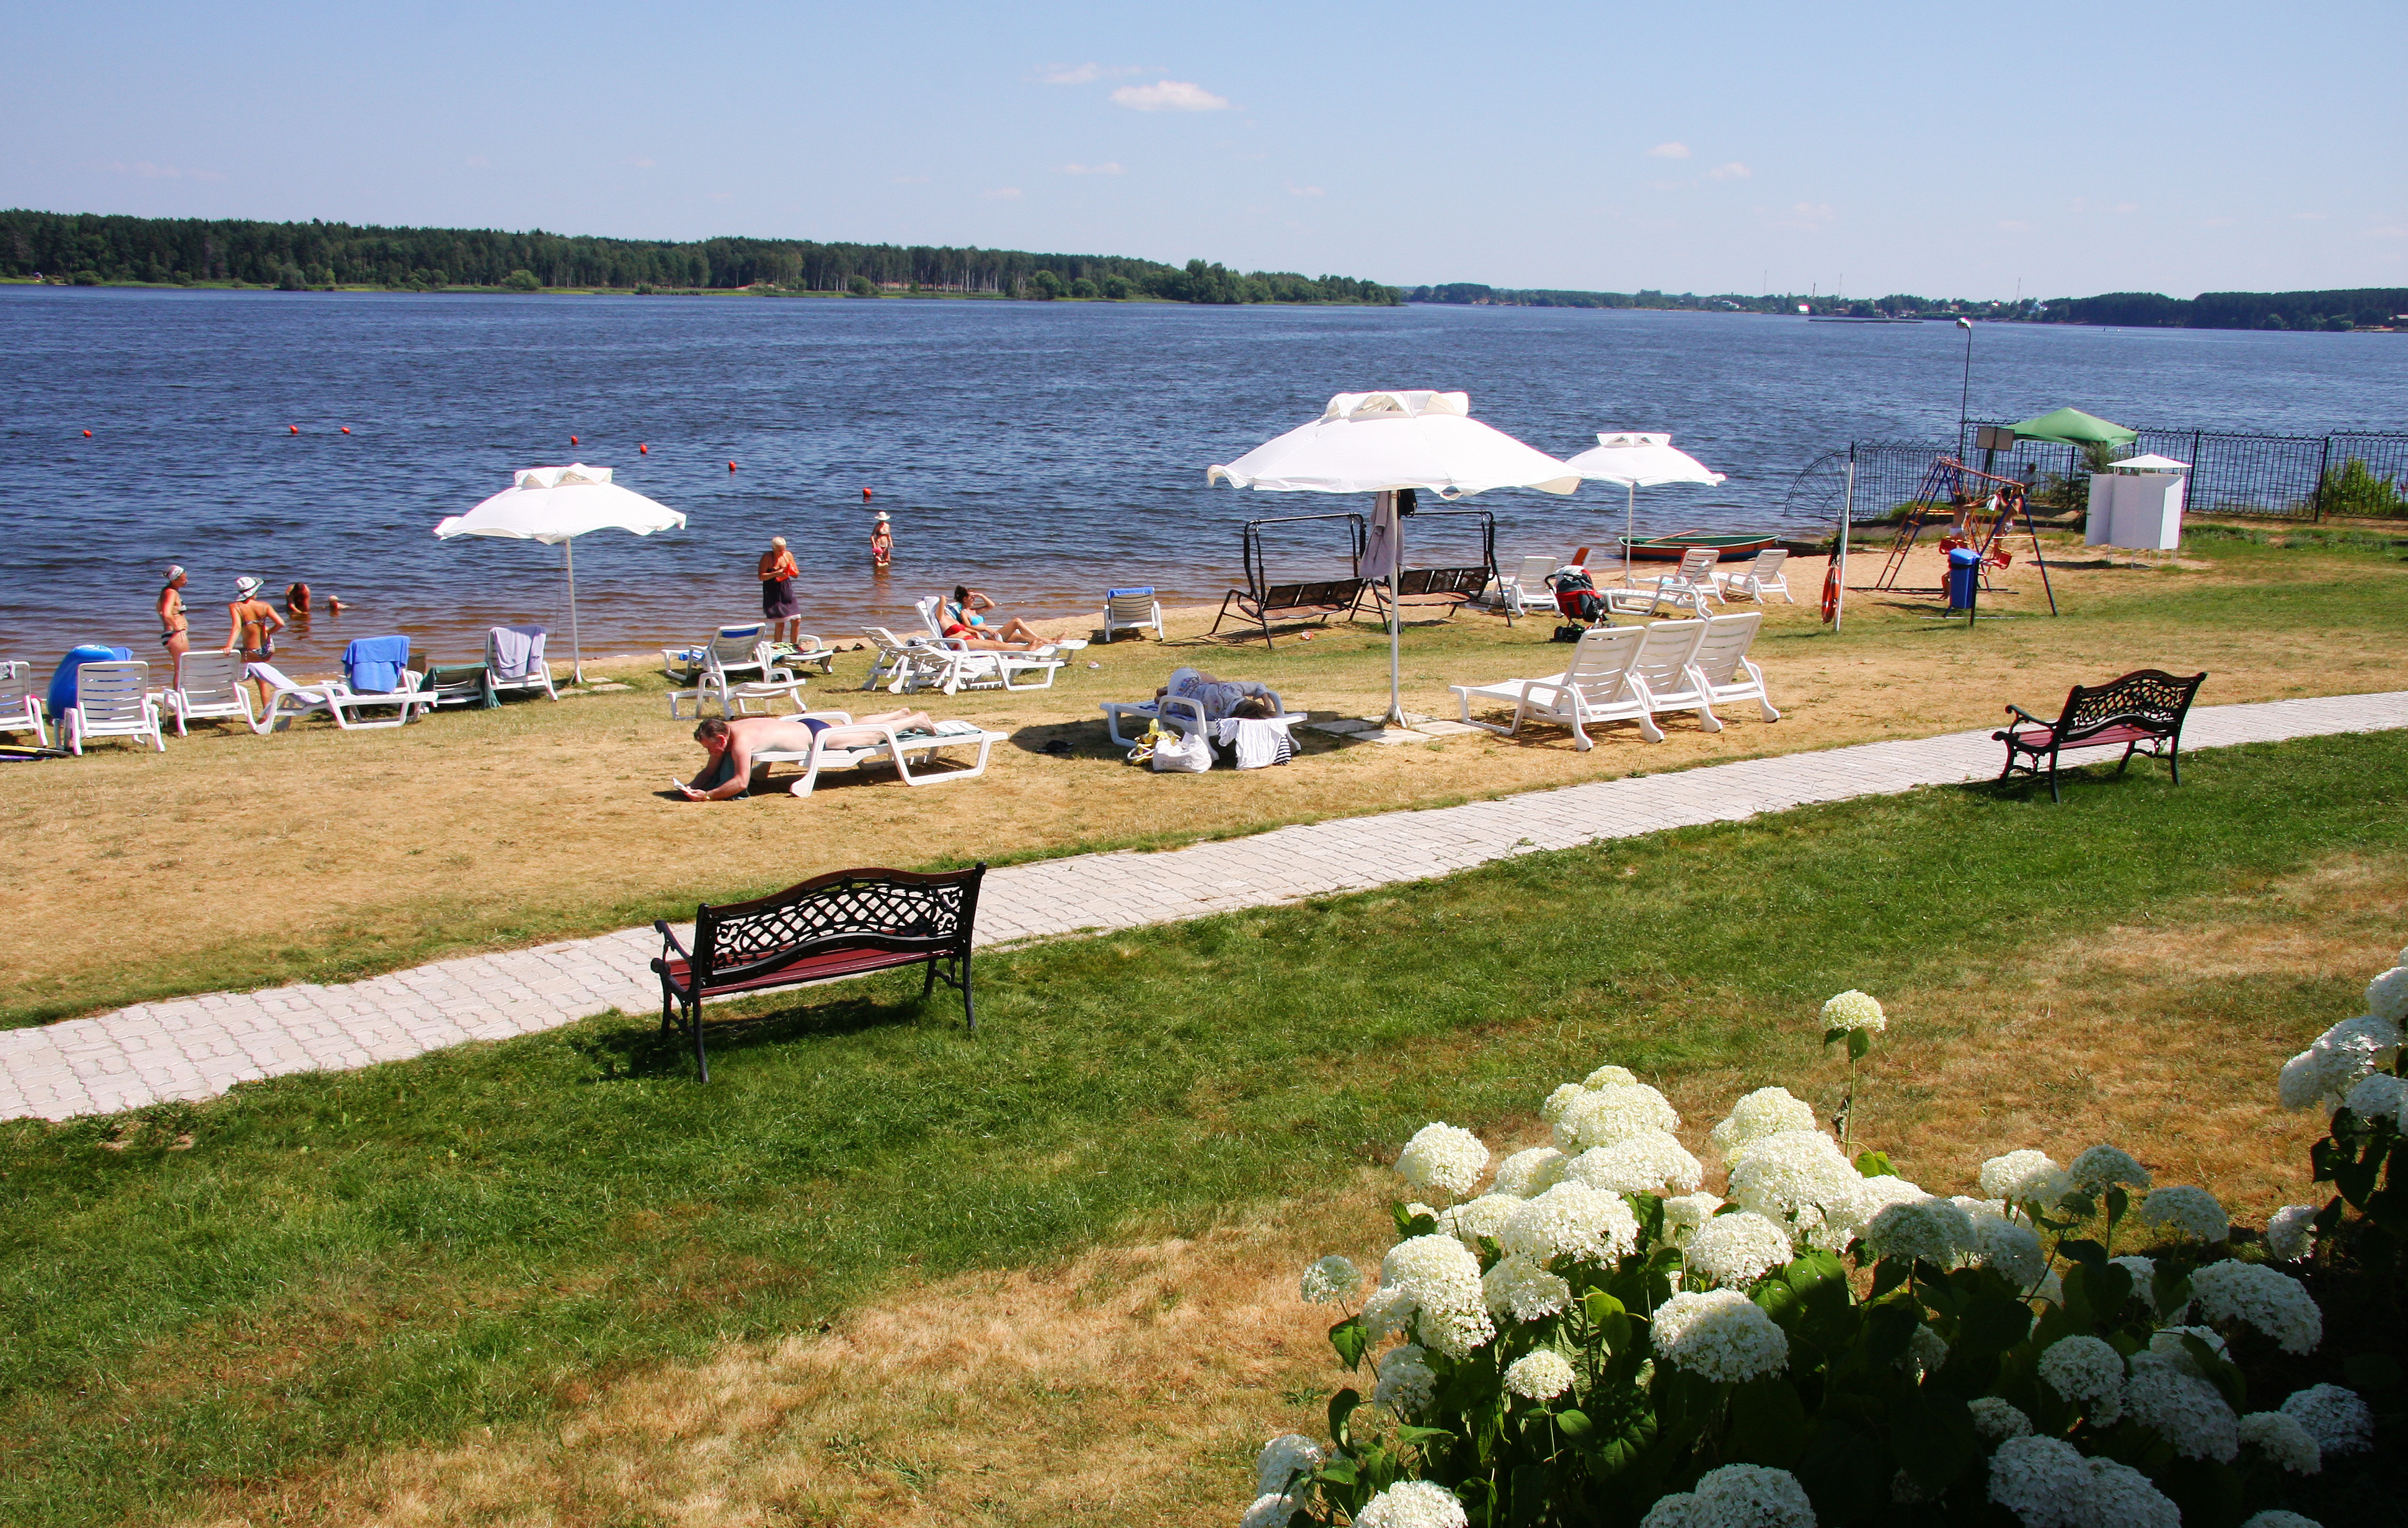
1261, 602
1945, 483
1454, 586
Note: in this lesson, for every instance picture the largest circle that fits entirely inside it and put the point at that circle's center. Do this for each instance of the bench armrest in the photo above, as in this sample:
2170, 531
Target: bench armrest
669, 939
2036, 721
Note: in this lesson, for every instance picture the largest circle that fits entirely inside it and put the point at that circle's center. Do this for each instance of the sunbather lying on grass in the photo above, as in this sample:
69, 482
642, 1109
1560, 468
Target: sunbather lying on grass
733, 745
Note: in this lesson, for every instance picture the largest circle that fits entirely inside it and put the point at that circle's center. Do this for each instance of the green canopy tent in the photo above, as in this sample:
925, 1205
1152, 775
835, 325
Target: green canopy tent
2072, 428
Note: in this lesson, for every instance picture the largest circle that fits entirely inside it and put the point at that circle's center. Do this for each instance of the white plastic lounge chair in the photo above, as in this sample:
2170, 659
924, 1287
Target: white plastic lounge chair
113, 701
892, 747
210, 688
1525, 589
1594, 689
1721, 669
1757, 579
776, 686
21, 704
287, 700
532, 673
1132, 609
903, 662
932, 613
808, 649
1692, 584
1660, 675
738, 649
1182, 713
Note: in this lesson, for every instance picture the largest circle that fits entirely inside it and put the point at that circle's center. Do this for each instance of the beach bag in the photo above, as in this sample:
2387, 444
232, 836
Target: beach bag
1181, 753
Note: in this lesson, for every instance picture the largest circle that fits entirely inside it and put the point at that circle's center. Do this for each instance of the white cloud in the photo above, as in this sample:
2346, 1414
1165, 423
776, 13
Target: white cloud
1170, 96
1668, 150
2008, 225
1087, 74
1732, 171
1003, 194
148, 171
1107, 167
1312, 191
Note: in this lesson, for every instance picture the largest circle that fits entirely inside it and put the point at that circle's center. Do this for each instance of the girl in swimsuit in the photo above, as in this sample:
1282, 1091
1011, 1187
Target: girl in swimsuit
255, 626
175, 627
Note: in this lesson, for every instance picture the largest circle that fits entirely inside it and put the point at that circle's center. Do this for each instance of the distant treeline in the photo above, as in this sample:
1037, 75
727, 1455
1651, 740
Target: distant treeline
1897, 305
90, 249
2361, 308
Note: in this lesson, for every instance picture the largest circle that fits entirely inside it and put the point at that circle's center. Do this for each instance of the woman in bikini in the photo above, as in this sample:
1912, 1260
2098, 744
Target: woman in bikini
175, 626
979, 630
255, 626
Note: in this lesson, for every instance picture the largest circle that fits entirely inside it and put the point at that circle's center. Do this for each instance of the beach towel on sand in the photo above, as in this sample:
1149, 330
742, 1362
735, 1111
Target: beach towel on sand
516, 650
375, 664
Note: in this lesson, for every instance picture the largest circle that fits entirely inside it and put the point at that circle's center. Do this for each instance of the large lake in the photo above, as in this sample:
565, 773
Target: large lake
1040, 451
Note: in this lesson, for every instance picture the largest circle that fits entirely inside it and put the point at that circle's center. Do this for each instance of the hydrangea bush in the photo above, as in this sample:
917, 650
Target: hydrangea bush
1590, 1338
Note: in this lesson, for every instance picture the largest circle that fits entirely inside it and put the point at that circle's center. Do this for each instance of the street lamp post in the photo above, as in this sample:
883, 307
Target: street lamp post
1965, 394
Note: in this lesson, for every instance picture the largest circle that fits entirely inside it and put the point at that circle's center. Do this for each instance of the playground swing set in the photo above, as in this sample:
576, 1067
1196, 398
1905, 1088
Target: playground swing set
1263, 603
1981, 511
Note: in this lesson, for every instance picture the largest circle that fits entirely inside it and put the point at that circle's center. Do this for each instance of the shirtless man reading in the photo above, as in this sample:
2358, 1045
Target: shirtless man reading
733, 745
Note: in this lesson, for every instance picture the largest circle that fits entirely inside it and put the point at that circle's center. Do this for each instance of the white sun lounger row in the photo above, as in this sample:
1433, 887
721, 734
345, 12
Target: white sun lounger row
1634, 674
894, 747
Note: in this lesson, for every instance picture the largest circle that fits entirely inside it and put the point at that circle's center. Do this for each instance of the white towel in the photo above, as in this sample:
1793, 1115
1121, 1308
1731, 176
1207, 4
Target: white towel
516, 650
1260, 742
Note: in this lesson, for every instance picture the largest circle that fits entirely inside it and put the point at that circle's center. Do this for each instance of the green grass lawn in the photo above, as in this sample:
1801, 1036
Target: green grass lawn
349, 1260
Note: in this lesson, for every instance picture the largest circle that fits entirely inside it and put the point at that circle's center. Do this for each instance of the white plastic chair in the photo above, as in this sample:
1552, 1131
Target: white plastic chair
113, 701
209, 687
737, 648
776, 686
1525, 589
892, 747
903, 663
1132, 609
1762, 577
1594, 689
1721, 671
287, 700
1692, 584
1180, 712
1660, 674
538, 673
21, 704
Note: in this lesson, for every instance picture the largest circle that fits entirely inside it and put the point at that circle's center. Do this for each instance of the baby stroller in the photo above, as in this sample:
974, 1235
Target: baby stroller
1577, 597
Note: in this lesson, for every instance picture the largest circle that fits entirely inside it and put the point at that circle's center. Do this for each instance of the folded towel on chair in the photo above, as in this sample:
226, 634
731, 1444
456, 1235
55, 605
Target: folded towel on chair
372, 664
517, 649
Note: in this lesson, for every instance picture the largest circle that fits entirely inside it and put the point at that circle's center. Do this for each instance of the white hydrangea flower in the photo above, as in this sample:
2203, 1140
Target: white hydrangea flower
2104, 1167
1737, 1249
1474, 1219
1447, 1157
2089, 1373
1768, 1111
2282, 1439
1527, 1173
1977, 1208
2378, 1095
1430, 1285
2144, 1284
1329, 1281
2255, 1296
1999, 1420
1519, 1288
1929, 1230
2291, 1233
1563, 1098
1721, 1335
2387, 996
1572, 1221
1687, 1212
2321, 1074
2187, 1211
1406, 1383
2042, 1481
2274, 1516
1736, 1496
1603, 1115
2335, 1418
1853, 1010
1412, 1503
2025, 1177
1621, 1075
2184, 1409
1792, 1174
1842, 1216
1270, 1510
1541, 1376
1283, 1459
2009, 1249
2123, 1496
2167, 1343
1926, 1354
1652, 1162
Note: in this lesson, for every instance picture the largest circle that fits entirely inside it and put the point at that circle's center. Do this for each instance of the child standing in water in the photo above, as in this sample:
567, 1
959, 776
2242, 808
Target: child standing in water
881, 542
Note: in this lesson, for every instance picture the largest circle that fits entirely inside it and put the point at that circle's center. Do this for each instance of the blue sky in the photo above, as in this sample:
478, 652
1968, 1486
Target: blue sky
1945, 149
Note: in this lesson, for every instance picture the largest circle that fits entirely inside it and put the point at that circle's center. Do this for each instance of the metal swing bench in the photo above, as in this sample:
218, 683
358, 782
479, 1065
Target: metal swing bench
1316, 601
1454, 587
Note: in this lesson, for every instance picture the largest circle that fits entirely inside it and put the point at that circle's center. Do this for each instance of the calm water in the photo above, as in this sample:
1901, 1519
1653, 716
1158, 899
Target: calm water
1041, 452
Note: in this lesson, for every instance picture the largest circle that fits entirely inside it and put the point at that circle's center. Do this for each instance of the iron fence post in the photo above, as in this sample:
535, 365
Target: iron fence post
2324, 465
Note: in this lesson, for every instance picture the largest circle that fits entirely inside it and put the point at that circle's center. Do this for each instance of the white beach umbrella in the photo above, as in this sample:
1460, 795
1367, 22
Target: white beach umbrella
555, 505
1381, 443
1638, 460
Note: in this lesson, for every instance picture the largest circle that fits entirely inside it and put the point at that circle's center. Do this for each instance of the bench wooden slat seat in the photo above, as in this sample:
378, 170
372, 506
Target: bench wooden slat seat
846, 923
1285, 603
1453, 587
2144, 711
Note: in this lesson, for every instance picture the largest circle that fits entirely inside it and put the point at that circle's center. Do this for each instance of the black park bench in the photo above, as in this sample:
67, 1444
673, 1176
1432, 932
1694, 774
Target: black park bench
1287, 603
846, 923
2144, 709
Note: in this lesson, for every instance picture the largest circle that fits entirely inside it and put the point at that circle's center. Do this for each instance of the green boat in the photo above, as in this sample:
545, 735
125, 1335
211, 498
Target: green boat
1733, 548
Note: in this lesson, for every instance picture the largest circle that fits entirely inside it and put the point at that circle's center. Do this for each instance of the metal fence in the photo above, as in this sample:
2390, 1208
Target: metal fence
2283, 477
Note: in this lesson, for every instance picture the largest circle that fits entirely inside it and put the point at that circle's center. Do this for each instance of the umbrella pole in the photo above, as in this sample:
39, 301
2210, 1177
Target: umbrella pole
576, 649
1847, 514
1629, 526
1396, 716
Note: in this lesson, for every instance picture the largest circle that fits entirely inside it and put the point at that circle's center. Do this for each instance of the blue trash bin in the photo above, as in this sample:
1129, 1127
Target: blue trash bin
1964, 571
63, 679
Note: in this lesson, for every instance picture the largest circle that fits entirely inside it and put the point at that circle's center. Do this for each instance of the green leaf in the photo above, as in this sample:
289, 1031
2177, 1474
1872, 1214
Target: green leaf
1934, 1433
1875, 1164
1889, 1275
1860, 1045
1888, 1331
1338, 1471
2170, 1287
1990, 1323
1768, 1424
2219, 1371
1341, 1407
1832, 1037
1420, 1435
1847, 1474
2117, 1203
1349, 1338
1573, 1423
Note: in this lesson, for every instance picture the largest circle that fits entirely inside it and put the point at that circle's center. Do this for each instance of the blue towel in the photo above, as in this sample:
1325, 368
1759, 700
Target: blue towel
375, 664
1124, 594
63, 679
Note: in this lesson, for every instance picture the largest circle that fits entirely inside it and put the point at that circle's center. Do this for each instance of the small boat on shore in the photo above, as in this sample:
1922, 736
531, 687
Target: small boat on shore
1732, 547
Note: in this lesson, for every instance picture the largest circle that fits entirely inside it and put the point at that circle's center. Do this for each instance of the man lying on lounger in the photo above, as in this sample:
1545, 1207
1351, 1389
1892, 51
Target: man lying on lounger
732, 746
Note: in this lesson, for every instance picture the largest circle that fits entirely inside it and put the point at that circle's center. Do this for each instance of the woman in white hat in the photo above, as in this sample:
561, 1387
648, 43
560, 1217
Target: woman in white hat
881, 542
255, 626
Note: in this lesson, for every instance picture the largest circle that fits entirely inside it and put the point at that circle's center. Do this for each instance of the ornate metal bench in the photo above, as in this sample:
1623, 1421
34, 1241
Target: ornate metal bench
2145, 708
845, 923
1292, 602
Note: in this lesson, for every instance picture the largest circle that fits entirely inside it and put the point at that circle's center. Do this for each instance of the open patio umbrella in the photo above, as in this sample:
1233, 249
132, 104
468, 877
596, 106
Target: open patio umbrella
2072, 428
555, 505
1636, 461
1387, 443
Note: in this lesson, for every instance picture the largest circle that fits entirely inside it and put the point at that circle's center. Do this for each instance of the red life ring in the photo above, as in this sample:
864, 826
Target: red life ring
1831, 593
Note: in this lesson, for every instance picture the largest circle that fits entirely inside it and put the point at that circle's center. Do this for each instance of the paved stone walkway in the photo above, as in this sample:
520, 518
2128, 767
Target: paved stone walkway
199, 1048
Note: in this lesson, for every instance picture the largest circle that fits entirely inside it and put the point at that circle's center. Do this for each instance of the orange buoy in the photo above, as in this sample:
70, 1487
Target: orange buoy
295, 429
87, 435
731, 467
865, 496
347, 429
1831, 592
642, 450
572, 440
